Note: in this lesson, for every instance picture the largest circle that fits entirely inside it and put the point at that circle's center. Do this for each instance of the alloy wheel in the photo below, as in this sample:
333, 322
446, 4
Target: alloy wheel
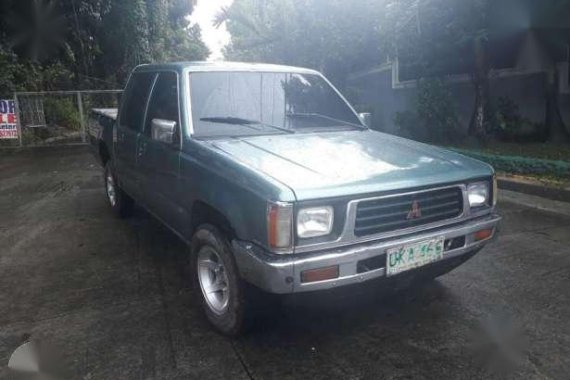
213, 279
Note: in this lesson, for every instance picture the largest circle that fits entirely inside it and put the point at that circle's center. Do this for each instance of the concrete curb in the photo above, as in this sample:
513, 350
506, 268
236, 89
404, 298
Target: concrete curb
533, 188
558, 207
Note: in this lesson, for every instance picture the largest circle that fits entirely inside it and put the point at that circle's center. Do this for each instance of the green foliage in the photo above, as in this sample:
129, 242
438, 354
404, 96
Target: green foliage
144, 31
436, 109
62, 112
35, 28
408, 125
20, 75
64, 44
15, 75
434, 118
521, 165
511, 126
333, 36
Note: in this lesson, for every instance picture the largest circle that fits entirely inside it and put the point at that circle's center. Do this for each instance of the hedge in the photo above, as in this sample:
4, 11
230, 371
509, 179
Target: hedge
520, 165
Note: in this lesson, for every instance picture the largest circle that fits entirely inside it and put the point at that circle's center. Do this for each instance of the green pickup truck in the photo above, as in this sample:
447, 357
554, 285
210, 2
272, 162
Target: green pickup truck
273, 180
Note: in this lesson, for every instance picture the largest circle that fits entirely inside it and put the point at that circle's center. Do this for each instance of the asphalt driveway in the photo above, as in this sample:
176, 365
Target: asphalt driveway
110, 294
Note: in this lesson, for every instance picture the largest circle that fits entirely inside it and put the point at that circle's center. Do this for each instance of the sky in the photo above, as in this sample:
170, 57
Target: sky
214, 38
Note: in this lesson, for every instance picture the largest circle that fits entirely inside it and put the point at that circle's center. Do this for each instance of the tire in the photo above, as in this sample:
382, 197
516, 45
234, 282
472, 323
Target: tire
121, 204
223, 293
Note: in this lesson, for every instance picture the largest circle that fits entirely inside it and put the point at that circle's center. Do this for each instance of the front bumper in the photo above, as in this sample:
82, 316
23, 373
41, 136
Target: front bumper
282, 273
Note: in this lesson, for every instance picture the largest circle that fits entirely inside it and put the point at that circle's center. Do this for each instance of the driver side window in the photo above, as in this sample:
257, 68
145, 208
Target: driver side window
164, 102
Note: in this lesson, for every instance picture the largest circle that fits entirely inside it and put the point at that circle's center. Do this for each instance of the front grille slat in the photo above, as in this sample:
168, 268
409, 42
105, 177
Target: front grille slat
439, 216
404, 213
404, 203
391, 213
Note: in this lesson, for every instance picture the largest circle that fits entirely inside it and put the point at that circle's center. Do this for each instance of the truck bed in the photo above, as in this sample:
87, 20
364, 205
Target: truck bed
106, 112
100, 129
99, 119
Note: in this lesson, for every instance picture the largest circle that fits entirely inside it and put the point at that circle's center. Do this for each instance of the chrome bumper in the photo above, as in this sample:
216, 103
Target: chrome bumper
282, 273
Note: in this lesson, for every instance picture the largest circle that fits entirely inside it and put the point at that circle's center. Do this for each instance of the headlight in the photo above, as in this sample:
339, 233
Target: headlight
478, 194
314, 221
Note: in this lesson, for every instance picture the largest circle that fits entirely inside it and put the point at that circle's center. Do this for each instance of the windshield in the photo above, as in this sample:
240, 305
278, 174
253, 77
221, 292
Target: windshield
255, 103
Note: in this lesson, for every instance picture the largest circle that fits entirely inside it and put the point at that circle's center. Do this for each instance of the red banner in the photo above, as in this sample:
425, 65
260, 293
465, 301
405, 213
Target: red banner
8, 121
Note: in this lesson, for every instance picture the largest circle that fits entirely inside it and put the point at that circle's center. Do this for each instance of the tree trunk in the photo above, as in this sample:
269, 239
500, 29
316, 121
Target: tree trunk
479, 119
555, 129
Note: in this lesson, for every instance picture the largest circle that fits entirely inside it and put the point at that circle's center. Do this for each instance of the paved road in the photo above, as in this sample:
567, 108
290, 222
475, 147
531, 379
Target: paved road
111, 296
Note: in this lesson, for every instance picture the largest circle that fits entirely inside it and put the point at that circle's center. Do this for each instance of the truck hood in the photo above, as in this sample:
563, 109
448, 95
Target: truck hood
350, 162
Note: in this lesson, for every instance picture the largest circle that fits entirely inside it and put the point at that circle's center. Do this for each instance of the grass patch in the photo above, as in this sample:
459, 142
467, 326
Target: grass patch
547, 169
557, 152
544, 180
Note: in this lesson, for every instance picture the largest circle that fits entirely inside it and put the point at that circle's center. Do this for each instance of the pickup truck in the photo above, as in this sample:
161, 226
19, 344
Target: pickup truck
273, 180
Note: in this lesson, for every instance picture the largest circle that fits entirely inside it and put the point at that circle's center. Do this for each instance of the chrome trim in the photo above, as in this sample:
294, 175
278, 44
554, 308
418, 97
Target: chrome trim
347, 235
282, 273
188, 104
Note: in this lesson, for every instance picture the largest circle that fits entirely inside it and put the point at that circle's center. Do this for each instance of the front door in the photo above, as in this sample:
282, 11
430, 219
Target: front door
159, 162
129, 127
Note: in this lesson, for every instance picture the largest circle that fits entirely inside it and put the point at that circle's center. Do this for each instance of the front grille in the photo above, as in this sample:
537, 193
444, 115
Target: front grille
398, 212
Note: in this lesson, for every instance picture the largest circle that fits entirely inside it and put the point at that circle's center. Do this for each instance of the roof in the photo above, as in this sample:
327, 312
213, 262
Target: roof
196, 66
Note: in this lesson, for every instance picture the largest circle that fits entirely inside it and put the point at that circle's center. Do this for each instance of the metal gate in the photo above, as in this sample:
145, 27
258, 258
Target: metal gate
57, 117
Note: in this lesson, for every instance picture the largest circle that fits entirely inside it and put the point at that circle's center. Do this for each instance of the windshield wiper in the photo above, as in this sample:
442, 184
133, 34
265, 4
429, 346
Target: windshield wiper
242, 121
320, 116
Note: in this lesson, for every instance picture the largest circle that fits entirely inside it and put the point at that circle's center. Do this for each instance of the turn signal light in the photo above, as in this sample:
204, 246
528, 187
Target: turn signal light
483, 234
279, 225
319, 274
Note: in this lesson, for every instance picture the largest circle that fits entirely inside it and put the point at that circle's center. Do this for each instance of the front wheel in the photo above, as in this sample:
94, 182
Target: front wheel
119, 201
223, 293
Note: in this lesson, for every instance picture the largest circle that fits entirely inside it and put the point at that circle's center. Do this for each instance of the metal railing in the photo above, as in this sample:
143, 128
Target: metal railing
58, 117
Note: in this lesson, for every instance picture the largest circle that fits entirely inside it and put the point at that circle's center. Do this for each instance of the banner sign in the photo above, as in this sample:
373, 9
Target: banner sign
8, 123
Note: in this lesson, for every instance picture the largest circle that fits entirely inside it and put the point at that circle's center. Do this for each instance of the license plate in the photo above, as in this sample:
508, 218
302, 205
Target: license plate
406, 257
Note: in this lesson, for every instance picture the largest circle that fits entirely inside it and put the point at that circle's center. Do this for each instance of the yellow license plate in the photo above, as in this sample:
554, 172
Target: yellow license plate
406, 257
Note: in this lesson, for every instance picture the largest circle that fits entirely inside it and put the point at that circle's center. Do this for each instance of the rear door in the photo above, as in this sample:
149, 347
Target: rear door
129, 128
159, 162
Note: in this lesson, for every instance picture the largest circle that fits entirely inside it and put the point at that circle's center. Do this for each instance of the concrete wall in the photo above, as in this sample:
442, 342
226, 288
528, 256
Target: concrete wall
380, 90
374, 91
564, 107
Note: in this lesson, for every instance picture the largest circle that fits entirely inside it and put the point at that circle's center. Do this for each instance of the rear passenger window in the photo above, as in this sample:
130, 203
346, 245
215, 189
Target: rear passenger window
164, 101
134, 106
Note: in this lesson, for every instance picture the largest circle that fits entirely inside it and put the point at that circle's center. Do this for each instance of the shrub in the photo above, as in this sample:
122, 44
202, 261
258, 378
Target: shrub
407, 123
62, 112
434, 118
511, 126
436, 110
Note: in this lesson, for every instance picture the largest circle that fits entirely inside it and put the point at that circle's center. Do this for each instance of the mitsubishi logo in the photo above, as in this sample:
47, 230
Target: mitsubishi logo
415, 212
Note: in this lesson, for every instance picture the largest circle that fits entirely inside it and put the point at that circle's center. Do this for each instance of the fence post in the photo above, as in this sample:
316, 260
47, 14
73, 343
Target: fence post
81, 119
18, 115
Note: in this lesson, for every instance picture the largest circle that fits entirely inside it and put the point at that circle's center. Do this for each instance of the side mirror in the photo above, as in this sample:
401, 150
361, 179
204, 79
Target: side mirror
162, 130
366, 118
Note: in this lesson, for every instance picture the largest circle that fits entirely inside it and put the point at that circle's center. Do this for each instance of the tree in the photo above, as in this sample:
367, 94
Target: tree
97, 42
440, 37
35, 28
333, 36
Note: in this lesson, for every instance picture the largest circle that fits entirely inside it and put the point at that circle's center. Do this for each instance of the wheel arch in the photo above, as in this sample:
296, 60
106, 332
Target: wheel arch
203, 212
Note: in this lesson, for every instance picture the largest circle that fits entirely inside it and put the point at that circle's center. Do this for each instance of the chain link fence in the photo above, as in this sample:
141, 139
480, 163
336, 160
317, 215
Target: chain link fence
57, 117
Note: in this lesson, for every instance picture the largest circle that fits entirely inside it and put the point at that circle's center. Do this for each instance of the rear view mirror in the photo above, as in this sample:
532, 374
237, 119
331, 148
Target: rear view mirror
366, 118
163, 130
